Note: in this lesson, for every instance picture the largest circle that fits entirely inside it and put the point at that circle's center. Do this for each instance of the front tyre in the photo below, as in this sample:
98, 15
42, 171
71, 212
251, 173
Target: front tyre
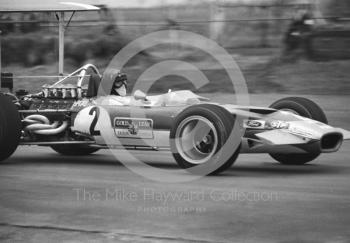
198, 135
74, 149
10, 127
302, 107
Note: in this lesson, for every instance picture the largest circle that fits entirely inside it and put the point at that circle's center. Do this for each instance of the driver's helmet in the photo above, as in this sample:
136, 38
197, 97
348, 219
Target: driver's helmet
119, 84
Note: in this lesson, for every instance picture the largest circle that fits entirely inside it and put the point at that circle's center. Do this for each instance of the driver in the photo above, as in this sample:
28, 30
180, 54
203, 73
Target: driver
119, 84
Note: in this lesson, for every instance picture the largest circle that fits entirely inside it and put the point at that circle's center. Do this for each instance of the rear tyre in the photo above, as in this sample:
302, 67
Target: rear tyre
306, 108
74, 150
10, 127
199, 133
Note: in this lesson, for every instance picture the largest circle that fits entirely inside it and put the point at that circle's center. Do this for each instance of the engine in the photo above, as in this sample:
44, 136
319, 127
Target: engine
67, 91
47, 116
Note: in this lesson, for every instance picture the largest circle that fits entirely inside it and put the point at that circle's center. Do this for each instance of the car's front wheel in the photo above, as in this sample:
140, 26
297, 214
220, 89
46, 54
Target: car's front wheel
302, 107
198, 136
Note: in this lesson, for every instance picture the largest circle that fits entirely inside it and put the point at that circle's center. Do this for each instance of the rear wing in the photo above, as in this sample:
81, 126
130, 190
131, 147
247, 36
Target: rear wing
60, 8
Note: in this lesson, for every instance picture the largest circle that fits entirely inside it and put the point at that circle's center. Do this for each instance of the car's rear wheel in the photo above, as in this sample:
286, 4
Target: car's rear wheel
302, 107
198, 136
10, 127
74, 150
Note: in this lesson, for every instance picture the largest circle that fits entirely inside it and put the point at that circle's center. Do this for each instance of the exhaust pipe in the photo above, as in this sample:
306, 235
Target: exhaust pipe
40, 124
53, 131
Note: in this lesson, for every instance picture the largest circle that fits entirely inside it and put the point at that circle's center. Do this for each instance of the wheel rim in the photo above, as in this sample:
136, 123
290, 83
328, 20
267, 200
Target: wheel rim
196, 139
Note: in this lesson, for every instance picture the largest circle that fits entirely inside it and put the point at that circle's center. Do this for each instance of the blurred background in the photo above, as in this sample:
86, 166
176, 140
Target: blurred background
284, 46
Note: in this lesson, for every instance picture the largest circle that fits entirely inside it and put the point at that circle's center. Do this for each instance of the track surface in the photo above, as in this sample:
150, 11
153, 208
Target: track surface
50, 198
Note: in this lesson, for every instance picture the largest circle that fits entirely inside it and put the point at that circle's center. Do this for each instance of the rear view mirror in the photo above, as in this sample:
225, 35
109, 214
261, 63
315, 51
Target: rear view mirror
139, 95
7, 81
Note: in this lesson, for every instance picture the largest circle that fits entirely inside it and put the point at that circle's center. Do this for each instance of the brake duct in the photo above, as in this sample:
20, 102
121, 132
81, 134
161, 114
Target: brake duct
40, 124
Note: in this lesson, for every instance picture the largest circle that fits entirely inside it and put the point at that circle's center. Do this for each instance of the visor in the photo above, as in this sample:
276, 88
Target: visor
120, 80
119, 84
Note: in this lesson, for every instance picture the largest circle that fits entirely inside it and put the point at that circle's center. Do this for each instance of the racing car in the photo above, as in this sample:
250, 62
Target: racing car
72, 119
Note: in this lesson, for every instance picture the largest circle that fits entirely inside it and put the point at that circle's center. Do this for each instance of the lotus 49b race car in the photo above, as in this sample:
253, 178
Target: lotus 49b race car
73, 120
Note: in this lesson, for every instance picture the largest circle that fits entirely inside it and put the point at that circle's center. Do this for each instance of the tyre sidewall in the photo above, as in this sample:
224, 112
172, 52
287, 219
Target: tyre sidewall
306, 108
10, 127
303, 106
223, 123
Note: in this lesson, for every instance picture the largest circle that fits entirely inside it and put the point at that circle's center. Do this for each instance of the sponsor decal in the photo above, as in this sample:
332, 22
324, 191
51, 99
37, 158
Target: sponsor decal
255, 124
260, 124
81, 103
279, 125
133, 128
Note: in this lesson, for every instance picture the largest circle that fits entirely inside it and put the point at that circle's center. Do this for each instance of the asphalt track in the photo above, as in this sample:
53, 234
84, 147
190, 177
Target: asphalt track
46, 197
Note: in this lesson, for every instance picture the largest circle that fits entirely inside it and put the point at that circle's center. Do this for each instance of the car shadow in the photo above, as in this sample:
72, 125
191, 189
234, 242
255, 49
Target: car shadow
238, 170
98, 159
270, 169
54, 158
276, 169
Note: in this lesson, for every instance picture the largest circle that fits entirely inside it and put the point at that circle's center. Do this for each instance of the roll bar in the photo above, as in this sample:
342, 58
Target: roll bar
81, 73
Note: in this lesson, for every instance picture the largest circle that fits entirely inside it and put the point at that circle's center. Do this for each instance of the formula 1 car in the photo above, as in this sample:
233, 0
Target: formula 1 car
73, 120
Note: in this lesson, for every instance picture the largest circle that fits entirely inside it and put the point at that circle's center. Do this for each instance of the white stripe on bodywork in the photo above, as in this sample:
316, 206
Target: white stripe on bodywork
281, 137
82, 5
320, 124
